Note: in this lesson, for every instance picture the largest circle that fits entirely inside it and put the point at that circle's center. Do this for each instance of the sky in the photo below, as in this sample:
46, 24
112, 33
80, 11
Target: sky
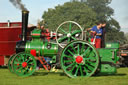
37, 7
121, 13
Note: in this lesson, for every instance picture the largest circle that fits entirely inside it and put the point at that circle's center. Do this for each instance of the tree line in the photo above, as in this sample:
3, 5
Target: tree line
86, 13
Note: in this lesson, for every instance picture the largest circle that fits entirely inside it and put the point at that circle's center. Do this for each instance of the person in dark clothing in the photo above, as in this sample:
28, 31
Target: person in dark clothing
103, 34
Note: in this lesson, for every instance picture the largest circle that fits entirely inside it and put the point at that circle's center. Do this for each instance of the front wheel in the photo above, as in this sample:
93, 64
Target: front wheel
10, 63
24, 64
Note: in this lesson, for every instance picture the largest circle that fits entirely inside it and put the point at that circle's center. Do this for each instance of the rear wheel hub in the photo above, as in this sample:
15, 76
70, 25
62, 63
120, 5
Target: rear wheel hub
79, 59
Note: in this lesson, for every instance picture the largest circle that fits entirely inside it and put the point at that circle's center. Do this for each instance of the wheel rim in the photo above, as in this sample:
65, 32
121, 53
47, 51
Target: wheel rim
10, 63
73, 32
79, 58
24, 64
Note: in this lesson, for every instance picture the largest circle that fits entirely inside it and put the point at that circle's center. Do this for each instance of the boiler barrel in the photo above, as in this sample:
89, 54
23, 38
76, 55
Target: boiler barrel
41, 48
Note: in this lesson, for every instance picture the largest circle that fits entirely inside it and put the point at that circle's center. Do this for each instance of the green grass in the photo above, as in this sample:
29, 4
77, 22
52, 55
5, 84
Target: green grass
51, 78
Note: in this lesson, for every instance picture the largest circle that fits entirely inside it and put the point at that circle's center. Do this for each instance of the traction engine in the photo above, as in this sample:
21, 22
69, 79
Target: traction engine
76, 56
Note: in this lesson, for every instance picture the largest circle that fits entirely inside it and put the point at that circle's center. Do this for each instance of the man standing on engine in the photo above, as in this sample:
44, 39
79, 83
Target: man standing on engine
96, 33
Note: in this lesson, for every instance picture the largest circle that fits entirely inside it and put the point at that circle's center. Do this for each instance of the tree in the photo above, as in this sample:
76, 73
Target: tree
75, 11
114, 35
86, 13
79, 0
105, 12
126, 35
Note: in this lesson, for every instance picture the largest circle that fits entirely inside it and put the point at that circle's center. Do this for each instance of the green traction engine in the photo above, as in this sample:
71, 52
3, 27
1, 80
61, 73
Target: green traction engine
72, 52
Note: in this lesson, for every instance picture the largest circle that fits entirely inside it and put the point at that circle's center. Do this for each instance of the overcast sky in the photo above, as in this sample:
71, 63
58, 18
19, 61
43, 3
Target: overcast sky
37, 7
121, 13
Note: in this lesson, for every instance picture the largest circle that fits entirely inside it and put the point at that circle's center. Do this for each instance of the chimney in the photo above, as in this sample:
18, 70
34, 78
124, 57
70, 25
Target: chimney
24, 25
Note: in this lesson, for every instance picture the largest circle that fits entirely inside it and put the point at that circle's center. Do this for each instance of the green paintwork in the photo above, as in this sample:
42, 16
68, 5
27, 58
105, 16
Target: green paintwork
36, 33
70, 31
108, 54
108, 59
112, 45
106, 69
49, 51
69, 38
18, 61
43, 48
10, 63
92, 61
53, 59
90, 57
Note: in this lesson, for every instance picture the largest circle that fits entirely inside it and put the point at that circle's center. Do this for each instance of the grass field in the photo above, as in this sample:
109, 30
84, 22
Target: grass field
50, 78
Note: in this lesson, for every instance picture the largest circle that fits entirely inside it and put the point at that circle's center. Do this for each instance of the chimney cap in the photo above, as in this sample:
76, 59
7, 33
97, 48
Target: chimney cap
25, 11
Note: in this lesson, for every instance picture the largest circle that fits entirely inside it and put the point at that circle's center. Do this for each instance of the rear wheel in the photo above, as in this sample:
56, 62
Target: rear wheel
79, 58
